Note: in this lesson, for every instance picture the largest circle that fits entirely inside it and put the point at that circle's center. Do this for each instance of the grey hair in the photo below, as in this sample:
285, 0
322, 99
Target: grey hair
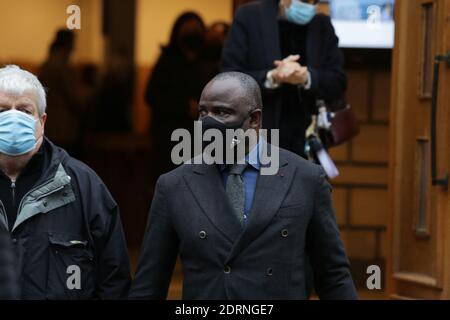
16, 81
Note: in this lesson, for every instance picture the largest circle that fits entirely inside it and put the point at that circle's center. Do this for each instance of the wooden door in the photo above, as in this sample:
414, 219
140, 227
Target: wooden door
419, 218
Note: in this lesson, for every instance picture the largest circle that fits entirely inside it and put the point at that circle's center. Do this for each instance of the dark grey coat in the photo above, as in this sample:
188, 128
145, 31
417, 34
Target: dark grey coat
292, 215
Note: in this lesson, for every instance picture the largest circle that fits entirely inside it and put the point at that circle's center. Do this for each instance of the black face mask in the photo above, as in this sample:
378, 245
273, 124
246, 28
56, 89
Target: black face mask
192, 41
209, 122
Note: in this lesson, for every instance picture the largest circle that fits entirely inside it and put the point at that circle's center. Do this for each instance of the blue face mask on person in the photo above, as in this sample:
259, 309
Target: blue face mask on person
17, 133
300, 13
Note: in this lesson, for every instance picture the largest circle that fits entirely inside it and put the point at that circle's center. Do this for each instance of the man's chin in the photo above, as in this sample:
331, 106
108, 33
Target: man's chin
22, 155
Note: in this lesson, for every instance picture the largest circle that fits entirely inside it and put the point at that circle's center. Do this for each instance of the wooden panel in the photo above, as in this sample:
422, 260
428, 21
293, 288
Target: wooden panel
369, 176
368, 207
358, 96
426, 47
418, 224
382, 96
339, 153
340, 205
359, 244
371, 144
407, 246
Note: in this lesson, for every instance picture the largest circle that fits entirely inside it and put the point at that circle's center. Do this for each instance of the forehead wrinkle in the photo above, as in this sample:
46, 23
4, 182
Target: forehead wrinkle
26, 97
227, 92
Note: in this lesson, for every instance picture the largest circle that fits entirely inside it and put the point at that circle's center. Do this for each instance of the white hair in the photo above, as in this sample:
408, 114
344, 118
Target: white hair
15, 80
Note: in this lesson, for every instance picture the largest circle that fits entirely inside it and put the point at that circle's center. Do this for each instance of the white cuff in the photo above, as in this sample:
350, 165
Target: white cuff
307, 85
269, 83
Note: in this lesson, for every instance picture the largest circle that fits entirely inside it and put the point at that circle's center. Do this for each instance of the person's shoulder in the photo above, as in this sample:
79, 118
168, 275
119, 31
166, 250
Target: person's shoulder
323, 20
74, 167
305, 169
175, 176
322, 17
88, 181
81, 170
247, 9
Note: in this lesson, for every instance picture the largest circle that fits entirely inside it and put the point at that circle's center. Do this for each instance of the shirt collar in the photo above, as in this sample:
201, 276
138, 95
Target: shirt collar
252, 158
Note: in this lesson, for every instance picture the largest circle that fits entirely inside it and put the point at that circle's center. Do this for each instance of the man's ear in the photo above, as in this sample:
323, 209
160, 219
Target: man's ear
255, 119
43, 119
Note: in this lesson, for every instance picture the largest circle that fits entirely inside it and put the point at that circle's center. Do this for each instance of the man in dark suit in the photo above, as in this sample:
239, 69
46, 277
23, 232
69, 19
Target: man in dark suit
293, 54
257, 251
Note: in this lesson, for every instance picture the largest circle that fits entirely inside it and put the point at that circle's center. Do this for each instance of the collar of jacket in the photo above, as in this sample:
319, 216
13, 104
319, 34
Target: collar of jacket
268, 10
55, 182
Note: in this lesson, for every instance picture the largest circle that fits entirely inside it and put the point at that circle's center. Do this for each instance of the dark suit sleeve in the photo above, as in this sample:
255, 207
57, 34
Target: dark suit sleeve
328, 259
158, 253
235, 55
329, 80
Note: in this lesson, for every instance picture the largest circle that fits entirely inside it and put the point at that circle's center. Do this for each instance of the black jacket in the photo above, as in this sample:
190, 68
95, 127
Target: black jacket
292, 215
254, 43
69, 221
8, 278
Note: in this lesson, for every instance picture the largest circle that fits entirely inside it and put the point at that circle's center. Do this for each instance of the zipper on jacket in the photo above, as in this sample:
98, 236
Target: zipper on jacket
40, 197
29, 192
3, 213
50, 192
13, 191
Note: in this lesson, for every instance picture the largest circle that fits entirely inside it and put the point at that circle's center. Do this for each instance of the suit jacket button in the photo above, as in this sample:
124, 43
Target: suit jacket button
202, 234
284, 233
269, 271
227, 269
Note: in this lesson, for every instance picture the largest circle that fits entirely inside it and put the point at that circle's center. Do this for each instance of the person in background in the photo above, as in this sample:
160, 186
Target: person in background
175, 85
293, 54
64, 224
64, 98
113, 112
215, 39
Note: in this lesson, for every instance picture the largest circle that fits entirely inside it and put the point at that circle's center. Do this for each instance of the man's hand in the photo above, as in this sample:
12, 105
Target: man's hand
290, 71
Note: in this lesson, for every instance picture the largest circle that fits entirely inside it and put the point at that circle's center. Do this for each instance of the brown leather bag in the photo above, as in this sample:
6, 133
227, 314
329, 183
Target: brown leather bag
344, 127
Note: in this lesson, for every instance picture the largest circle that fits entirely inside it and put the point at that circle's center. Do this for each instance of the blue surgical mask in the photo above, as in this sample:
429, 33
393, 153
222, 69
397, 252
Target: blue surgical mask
300, 12
17, 133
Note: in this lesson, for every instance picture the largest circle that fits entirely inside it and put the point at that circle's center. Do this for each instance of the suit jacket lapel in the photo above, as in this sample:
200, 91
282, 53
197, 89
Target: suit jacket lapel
271, 35
312, 43
270, 31
269, 194
207, 188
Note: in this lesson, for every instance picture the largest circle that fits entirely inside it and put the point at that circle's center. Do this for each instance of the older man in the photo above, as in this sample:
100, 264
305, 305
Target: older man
64, 224
242, 234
